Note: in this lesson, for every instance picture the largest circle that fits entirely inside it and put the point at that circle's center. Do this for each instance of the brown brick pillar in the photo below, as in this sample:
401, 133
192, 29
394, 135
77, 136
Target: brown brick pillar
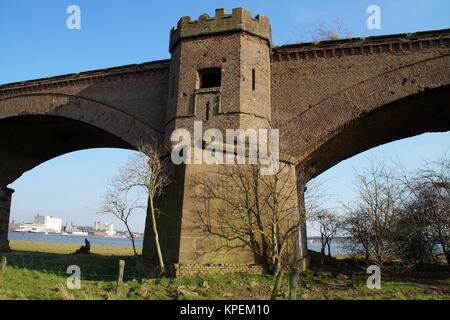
5, 208
170, 205
182, 241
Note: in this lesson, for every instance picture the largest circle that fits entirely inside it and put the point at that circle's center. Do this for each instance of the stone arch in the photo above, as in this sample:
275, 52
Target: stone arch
38, 127
399, 103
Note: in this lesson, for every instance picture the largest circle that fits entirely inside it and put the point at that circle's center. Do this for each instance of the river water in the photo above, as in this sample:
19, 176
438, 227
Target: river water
336, 248
58, 238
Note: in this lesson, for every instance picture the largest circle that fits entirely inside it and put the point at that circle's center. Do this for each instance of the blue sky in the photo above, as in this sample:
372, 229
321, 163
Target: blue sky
36, 43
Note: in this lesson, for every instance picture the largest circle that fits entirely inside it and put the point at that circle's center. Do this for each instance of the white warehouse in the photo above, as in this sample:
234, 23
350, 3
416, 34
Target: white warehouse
42, 224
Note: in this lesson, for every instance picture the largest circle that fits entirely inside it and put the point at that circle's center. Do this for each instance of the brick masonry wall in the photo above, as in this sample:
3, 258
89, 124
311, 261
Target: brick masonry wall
106, 108
192, 55
140, 94
236, 54
314, 98
186, 270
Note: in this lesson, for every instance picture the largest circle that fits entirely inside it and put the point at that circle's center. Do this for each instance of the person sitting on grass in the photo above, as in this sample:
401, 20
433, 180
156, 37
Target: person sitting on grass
86, 249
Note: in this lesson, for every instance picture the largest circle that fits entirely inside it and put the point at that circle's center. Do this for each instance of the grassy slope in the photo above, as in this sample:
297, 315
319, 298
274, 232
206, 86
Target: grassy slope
38, 271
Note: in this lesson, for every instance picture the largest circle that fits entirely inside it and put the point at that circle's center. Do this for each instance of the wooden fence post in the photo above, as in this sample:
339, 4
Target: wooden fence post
120, 276
3, 262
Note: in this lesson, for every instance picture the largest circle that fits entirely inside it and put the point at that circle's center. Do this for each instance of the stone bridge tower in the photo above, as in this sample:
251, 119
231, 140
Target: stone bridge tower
220, 74
220, 71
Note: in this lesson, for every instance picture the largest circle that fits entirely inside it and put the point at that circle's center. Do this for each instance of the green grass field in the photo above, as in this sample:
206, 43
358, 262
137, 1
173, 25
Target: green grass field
38, 271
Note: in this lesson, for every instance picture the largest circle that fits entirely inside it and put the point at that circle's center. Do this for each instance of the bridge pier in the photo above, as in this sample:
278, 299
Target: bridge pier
186, 245
182, 240
5, 208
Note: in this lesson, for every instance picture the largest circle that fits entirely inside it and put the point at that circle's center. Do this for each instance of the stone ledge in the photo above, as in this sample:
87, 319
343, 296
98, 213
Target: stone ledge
358, 46
84, 78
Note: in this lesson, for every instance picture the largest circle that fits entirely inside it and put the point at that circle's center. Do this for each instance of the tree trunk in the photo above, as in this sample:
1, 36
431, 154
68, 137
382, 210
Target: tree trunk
367, 254
155, 232
329, 250
134, 246
322, 249
131, 238
277, 284
293, 283
276, 268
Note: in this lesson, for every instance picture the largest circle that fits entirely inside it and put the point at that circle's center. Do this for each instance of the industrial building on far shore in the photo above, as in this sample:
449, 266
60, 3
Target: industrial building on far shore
41, 224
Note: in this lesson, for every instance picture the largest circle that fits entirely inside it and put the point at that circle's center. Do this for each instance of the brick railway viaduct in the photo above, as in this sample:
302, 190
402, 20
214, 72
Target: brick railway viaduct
331, 100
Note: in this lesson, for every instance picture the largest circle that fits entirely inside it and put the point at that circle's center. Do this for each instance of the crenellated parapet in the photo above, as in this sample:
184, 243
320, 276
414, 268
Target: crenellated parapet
240, 20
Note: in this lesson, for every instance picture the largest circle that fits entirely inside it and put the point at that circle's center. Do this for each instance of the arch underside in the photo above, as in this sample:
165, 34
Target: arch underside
27, 141
37, 127
427, 111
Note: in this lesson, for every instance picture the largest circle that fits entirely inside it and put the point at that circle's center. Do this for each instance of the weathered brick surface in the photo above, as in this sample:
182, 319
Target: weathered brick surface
236, 54
106, 108
186, 270
239, 20
341, 90
334, 84
136, 92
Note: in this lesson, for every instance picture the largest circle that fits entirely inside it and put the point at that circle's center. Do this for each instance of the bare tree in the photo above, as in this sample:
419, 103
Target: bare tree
329, 224
322, 32
371, 222
358, 227
116, 203
405, 217
149, 170
252, 211
434, 180
426, 214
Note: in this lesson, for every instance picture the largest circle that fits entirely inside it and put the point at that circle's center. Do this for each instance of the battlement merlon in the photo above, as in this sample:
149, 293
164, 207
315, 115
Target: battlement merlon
240, 20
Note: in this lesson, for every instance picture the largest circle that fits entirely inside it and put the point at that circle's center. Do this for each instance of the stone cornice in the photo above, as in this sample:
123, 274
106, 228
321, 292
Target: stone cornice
362, 46
84, 78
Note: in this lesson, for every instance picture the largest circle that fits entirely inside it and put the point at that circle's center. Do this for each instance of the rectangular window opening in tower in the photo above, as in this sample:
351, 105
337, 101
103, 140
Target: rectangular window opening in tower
210, 78
207, 111
253, 79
